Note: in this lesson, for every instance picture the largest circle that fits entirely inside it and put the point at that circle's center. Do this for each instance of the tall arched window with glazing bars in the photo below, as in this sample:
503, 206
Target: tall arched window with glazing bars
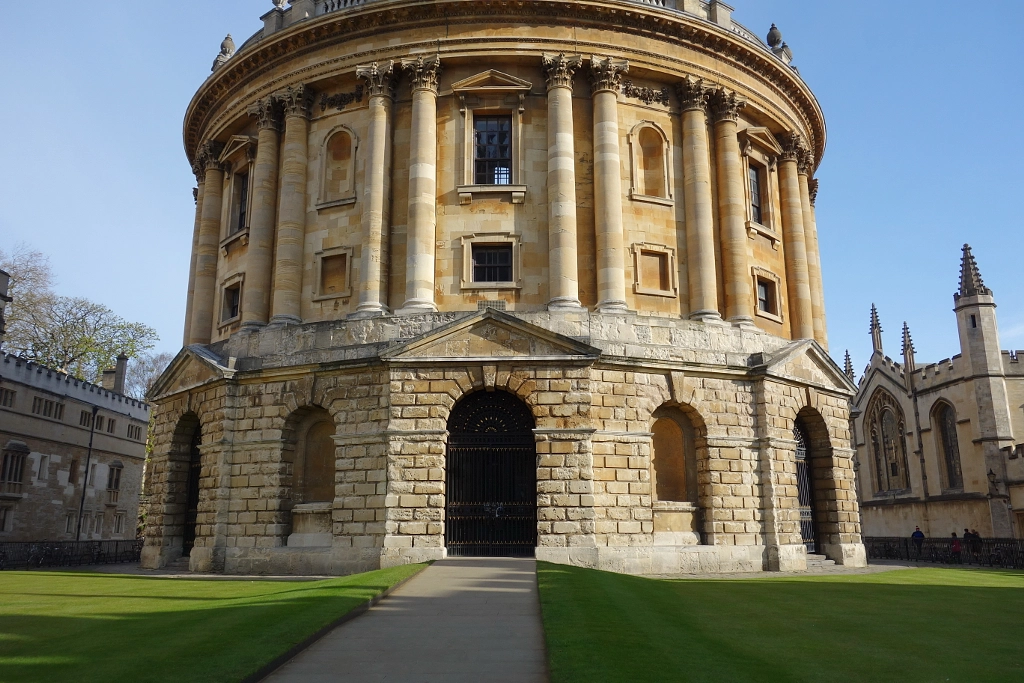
944, 418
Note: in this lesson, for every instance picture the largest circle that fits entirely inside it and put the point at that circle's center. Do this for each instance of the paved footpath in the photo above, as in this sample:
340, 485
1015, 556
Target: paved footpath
459, 620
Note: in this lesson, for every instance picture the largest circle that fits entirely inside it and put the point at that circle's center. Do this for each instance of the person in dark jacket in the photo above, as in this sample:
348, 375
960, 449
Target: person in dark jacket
918, 538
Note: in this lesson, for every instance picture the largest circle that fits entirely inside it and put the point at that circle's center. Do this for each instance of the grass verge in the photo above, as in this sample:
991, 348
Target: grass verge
64, 626
909, 625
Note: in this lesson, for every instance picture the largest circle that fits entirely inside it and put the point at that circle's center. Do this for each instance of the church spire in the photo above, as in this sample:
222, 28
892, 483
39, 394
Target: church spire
908, 350
876, 331
971, 283
848, 367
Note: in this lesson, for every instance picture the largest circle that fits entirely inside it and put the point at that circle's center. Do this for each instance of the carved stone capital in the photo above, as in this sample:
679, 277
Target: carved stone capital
209, 156
267, 113
296, 100
792, 147
559, 69
725, 105
606, 73
199, 169
692, 94
195, 195
380, 78
805, 162
423, 72
812, 190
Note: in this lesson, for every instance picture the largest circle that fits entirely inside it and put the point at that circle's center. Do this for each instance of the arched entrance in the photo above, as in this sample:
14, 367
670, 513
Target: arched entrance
491, 477
188, 540
805, 489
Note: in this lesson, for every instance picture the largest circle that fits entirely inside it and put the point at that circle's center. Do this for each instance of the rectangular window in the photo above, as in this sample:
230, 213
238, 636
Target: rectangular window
232, 302
492, 155
7, 398
766, 296
111, 426
98, 527
58, 412
73, 472
99, 423
118, 523
135, 432
44, 468
654, 270
12, 472
492, 263
5, 519
243, 201
69, 523
37, 406
91, 479
47, 408
333, 274
755, 195
85, 419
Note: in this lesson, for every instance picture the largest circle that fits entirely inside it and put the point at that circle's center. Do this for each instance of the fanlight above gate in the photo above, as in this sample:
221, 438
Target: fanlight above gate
495, 412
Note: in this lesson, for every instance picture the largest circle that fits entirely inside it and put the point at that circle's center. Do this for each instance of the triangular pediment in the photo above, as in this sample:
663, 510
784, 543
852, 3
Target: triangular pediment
235, 145
762, 138
489, 335
806, 362
194, 366
491, 81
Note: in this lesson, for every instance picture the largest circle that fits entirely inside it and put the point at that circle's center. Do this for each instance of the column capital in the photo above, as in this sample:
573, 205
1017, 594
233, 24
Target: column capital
296, 100
209, 156
380, 78
423, 71
792, 147
805, 162
812, 190
606, 73
692, 94
199, 169
725, 105
559, 69
267, 113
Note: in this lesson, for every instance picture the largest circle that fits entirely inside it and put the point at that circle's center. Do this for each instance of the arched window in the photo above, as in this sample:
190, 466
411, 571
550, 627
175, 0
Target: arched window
885, 426
944, 417
674, 457
314, 461
338, 167
649, 150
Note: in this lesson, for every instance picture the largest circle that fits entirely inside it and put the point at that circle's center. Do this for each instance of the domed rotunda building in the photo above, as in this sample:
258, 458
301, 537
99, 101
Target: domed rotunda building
490, 277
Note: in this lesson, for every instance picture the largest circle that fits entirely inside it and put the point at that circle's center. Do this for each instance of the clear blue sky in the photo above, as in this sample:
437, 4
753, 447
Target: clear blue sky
923, 102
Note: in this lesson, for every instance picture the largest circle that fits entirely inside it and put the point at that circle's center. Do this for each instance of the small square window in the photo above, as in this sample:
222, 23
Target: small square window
232, 302
492, 154
492, 263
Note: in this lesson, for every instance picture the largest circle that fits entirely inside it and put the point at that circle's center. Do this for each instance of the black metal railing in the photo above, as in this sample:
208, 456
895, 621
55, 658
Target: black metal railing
983, 552
34, 554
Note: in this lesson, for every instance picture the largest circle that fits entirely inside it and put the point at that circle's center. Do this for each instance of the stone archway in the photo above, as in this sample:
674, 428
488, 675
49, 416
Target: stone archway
491, 489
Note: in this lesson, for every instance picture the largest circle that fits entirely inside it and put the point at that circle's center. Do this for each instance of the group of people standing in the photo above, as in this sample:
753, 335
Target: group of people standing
971, 541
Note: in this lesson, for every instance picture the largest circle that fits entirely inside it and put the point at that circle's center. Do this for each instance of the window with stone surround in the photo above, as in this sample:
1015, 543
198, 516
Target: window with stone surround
238, 159
48, 408
674, 457
338, 165
492, 105
760, 152
7, 398
73, 472
756, 193
111, 426
114, 482
651, 171
654, 269
43, 473
491, 261
119, 523
885, 426
333, 273
230, 302
12, 467
85, 419
944, 418
314, 464
767, 289
69, 523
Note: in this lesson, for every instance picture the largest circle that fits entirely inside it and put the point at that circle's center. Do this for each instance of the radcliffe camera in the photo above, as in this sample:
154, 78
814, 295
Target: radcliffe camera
538, 341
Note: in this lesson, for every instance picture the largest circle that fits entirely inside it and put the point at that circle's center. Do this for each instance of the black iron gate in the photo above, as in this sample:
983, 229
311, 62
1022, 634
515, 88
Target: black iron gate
805, 491
491, 478
192, 495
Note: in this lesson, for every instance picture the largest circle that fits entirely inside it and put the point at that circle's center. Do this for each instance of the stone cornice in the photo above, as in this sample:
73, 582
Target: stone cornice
309, 36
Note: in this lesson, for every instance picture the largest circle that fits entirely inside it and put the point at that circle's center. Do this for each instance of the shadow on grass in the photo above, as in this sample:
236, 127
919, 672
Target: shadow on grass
609, 627
138, 637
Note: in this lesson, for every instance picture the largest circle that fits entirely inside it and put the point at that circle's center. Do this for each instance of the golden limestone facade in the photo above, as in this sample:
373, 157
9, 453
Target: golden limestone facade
432, 238
940, 446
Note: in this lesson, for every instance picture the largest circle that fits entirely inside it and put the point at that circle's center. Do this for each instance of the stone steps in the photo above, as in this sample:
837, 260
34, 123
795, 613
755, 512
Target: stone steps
178, 565
817, 562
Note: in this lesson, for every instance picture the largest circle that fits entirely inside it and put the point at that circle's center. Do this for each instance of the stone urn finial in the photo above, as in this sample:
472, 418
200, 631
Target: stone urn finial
774, 37
227, 49
279, 4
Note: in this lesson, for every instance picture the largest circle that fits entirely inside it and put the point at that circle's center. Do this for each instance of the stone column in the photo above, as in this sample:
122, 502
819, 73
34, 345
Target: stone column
205, 292
197, 194
732, 209
606, 77
563, 268
813, 257
296, 101
422, 220
259, 258
793, 239
700, 229
380, 84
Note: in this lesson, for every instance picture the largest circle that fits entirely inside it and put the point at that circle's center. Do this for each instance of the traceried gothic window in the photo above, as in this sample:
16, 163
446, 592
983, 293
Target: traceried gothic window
492, 156
944, 417
885, 427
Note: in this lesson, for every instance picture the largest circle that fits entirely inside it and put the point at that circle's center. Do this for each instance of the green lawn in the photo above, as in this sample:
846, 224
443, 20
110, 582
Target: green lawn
70, 626
908, 625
